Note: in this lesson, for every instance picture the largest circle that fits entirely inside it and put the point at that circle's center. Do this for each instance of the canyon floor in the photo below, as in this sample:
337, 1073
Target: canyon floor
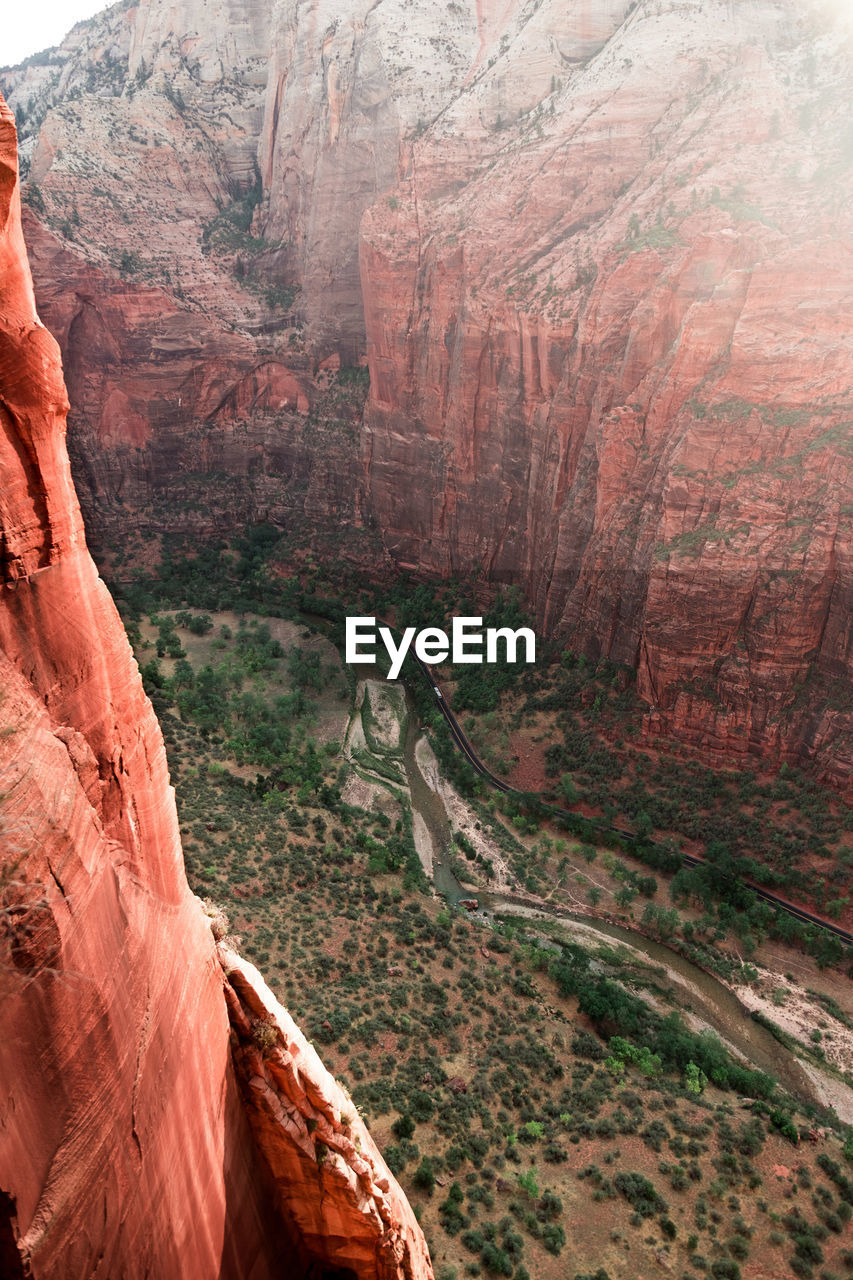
530, 1143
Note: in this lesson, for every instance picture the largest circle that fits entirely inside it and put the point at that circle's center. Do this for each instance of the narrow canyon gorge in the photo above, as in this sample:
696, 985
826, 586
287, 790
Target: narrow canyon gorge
596, 261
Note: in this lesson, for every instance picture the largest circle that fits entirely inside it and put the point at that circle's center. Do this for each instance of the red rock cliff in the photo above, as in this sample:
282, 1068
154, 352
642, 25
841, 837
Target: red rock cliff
616, 354
128, 1145
605, 292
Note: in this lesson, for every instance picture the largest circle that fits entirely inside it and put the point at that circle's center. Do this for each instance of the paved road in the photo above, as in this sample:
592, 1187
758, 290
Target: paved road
690, 860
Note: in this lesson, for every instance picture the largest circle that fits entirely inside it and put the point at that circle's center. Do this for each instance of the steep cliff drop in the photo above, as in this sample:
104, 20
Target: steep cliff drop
605, 294
616, 353
129, 1145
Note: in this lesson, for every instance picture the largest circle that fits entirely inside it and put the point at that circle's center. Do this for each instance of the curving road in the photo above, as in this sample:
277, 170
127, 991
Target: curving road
690, 860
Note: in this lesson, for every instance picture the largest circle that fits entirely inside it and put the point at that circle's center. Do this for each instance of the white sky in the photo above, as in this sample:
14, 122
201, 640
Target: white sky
32, 25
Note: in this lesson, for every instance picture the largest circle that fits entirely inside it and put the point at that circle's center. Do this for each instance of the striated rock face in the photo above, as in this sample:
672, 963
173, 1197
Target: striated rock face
182, 422
122, 1139
597, 256
126, 1145
329, 1177
618, 359
346, 91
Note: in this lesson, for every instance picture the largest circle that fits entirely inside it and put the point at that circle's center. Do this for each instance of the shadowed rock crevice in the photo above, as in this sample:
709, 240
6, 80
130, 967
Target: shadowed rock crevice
11, 1265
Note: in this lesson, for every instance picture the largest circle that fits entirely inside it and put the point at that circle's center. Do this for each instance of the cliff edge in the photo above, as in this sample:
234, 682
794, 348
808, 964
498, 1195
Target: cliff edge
129, 1146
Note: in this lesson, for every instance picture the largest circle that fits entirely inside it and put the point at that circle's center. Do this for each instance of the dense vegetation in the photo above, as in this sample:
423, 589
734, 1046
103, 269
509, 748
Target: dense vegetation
772, 831
517, 1087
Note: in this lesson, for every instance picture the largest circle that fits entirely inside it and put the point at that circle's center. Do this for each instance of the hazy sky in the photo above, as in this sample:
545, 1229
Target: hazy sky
32, 25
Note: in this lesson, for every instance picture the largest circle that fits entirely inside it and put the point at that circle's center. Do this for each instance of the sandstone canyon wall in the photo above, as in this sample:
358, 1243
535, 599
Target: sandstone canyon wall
597, 256
621, 352
130, 1144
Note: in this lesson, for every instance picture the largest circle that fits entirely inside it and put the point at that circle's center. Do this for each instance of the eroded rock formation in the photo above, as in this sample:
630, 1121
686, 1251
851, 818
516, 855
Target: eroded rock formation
617, 356
126, 1145
605, 294
328, 1175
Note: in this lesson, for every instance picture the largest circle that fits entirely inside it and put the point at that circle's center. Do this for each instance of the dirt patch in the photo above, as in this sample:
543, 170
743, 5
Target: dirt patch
363, 745
370, 796
386, 709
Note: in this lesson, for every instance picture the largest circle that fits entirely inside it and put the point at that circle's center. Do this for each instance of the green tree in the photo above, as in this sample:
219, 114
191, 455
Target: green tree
567, 790
694, 1078
424, 1177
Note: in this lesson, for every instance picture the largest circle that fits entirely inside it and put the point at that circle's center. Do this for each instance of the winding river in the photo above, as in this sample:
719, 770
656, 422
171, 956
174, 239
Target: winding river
698, 992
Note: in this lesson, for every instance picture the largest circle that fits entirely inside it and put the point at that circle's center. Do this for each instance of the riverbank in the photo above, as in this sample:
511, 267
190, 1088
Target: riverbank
707, 1001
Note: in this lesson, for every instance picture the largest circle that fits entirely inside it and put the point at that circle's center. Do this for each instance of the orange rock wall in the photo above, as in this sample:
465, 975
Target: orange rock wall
605, 294
123, 1143
329, 1177
126, 1147
175, 419
617, 357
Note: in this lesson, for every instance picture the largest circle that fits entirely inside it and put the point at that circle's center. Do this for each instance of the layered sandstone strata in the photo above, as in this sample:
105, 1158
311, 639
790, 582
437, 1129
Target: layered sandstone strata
618, 358
605, 293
